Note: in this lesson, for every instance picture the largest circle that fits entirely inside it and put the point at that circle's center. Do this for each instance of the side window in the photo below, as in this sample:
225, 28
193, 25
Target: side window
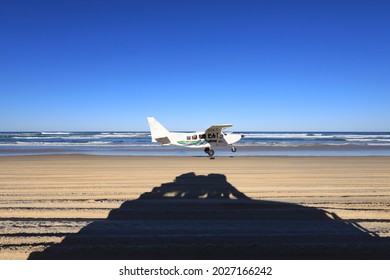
194, 137
202, 136
188, 137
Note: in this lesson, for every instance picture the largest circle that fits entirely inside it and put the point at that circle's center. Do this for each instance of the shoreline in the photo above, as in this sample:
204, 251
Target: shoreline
302, 150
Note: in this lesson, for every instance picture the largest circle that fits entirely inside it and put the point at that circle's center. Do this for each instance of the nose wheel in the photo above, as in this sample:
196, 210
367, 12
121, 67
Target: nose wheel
209, 151
234, 149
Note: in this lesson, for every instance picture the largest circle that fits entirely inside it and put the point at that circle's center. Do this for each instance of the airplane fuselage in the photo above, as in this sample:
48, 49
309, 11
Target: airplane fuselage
201, 139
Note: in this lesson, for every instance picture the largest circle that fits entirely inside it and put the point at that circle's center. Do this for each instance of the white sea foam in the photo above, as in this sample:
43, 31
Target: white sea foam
94, 143
55, 133
355, 136
108, 135
367, 140
66, 144
287, 135
37, 137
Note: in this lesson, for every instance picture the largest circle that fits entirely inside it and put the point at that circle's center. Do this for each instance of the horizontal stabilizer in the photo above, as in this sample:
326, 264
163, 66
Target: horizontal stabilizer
164, 140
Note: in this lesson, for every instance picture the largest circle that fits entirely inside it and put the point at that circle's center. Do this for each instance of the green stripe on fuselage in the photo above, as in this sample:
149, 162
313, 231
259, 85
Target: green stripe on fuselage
192, 143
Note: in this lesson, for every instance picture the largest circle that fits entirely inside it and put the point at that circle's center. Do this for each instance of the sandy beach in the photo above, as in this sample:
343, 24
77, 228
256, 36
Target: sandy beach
77, 206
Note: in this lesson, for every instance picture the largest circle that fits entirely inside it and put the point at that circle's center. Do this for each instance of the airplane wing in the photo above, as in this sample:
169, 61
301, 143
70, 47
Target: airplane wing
213, 133
217, 128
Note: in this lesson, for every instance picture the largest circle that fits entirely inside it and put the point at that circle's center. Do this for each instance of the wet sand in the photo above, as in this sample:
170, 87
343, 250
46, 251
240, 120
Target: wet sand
77, 207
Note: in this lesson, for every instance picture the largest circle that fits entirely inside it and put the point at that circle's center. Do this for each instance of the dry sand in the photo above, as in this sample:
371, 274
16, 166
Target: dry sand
293, 202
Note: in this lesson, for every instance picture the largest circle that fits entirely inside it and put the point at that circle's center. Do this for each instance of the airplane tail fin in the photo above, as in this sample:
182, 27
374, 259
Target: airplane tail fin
158, 131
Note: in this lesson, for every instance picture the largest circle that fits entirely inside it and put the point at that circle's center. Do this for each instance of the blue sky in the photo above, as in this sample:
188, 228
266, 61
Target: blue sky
266, 65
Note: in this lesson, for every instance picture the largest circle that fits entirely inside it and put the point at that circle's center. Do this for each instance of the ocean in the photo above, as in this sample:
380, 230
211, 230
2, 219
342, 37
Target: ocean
138, 143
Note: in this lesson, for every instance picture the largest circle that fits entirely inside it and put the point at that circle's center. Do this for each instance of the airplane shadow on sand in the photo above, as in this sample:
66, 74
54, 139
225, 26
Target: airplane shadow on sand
205, 217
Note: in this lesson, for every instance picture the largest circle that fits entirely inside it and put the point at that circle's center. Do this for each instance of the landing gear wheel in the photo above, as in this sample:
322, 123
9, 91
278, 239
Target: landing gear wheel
234, 149
209, 151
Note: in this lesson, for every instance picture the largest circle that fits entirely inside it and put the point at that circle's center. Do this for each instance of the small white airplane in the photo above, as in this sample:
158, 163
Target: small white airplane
211, 137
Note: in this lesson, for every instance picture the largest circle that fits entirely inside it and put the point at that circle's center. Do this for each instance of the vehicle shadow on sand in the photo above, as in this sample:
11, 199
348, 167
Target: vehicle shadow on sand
205, 217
